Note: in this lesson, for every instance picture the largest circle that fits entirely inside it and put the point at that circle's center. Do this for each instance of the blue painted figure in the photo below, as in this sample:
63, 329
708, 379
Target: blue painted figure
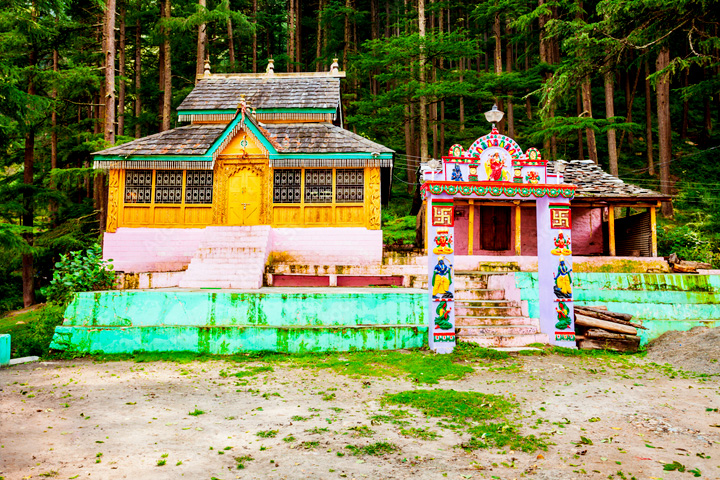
457, 174
563, 280
441, 280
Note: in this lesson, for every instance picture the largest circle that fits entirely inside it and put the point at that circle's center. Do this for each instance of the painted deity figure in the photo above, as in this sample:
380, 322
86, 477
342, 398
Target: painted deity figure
563, 316
563, 280
473, 176
442, 321
457, 174
562, 245
494, 168
443, 242
442, 279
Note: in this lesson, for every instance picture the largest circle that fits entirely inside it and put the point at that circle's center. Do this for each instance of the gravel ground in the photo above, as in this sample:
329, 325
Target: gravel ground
116, 420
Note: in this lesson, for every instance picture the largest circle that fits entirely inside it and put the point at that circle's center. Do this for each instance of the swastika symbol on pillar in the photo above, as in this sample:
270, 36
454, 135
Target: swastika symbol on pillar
443, 215
560, 218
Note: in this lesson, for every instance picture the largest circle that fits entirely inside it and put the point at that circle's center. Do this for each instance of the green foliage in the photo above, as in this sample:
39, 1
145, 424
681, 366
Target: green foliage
80, 272
399, 230
374, 449
475, 412
35, 338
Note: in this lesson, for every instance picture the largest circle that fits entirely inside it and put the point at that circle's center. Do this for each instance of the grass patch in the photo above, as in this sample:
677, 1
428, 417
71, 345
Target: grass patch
487, 418
307, 445
362, 431
33, 330
197, 412
267, 433
421, 433
241, 461
252, 371
375, 449
421, 367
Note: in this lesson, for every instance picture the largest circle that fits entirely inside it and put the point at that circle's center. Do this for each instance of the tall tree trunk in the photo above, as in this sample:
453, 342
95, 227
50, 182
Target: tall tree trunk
609, 113
121, 72
201, 39
138, 71
579, 110
423, 98
54, 138
109, 44
648, 121
587, 112
28, 277
291, 36
629, 100
686, 108
167, 70
231, 45
254, 37
664, 127
298, 36
508, 68
528, 105
442, 127
346, 36
319, 34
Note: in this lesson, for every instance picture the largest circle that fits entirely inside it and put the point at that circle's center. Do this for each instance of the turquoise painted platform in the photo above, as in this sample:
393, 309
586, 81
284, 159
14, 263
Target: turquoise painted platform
4, 349
660, 302
227, 321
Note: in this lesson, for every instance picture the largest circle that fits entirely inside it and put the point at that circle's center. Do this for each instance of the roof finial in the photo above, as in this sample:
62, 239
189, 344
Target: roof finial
270, 70
334, 68
206, 69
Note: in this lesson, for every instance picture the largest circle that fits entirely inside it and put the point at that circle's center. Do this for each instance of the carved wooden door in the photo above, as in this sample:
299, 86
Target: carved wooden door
244, 198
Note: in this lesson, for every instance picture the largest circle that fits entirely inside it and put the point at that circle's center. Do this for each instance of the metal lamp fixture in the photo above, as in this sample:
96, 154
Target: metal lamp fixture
494, 116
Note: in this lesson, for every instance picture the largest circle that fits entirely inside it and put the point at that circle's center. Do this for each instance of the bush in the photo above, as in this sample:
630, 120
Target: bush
688, 243
36, 337
80, 272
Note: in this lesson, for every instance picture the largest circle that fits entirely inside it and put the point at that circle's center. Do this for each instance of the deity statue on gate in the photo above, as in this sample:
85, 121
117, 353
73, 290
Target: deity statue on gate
443, 240
457, 174
442, 321
494, 168
562, 245
563, 280
441, 280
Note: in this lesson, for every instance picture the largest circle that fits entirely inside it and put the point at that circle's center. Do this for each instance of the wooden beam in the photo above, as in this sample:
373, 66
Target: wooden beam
590, 322
518, 227
471, 225
653, 231
611, 230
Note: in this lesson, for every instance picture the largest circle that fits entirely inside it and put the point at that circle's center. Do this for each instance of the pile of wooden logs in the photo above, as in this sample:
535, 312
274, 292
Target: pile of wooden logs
686, 266
598, 329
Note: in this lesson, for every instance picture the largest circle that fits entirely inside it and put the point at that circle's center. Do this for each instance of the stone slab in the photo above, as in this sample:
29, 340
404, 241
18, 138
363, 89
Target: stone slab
4, 349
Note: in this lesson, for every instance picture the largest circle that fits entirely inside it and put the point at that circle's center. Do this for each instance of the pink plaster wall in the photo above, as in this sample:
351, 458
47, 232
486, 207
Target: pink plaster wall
151, 249
327, 246
587, 236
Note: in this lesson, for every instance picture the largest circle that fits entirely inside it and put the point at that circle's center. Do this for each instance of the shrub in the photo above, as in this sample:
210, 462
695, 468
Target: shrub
36, 337
80, 271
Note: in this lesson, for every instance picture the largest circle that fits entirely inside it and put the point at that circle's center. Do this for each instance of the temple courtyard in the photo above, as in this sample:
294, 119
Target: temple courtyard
398, 414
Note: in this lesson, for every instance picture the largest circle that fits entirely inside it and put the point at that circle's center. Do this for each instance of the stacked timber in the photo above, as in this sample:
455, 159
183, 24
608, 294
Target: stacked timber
686, 266
598, 329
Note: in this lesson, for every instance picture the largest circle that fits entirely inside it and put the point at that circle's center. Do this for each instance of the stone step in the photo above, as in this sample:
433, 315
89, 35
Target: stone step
496, 330
485, 303
240, 258
480, 294
221, 284
488, 311
505, 340
468, 320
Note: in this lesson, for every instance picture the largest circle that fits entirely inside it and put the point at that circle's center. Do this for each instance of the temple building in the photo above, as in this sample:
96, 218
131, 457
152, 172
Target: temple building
267, 152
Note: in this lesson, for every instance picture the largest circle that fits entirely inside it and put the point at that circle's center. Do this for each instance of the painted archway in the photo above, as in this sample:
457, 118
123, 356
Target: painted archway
495, 167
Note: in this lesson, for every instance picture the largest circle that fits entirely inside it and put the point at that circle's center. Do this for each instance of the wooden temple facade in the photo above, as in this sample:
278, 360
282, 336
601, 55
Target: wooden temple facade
259, 150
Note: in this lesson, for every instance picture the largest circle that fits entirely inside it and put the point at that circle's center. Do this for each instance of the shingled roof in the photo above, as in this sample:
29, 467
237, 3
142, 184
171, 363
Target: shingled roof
188, 140
224, 93
320, 138
593, 181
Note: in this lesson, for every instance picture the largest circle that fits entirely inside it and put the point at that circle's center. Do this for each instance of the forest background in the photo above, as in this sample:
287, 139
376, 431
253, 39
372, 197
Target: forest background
633, 85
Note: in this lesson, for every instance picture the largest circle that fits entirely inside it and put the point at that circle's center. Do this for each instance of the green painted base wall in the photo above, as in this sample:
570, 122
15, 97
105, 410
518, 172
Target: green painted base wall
661, 302
4, 349
228, 322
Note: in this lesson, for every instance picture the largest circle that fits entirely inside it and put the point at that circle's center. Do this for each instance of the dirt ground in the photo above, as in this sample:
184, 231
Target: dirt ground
114, 420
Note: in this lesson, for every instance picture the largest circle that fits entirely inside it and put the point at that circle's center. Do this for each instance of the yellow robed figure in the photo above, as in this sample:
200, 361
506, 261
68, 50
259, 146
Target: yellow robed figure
441, 279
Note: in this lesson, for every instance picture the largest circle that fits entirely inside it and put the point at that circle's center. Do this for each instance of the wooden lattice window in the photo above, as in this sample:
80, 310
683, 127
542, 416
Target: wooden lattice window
199, 186
286, 186
318, 186
138, 186
168, 186
349, 185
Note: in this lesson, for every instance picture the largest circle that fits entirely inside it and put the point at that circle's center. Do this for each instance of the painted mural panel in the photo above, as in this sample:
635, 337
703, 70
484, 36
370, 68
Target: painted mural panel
441, 258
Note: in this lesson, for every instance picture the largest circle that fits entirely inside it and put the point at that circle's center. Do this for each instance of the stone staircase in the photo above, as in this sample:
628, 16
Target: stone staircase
229, 257
484, 316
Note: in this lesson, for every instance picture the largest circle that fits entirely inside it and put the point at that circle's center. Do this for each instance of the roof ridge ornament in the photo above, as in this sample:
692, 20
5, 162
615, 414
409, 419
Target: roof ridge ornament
335, 67
270, 70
